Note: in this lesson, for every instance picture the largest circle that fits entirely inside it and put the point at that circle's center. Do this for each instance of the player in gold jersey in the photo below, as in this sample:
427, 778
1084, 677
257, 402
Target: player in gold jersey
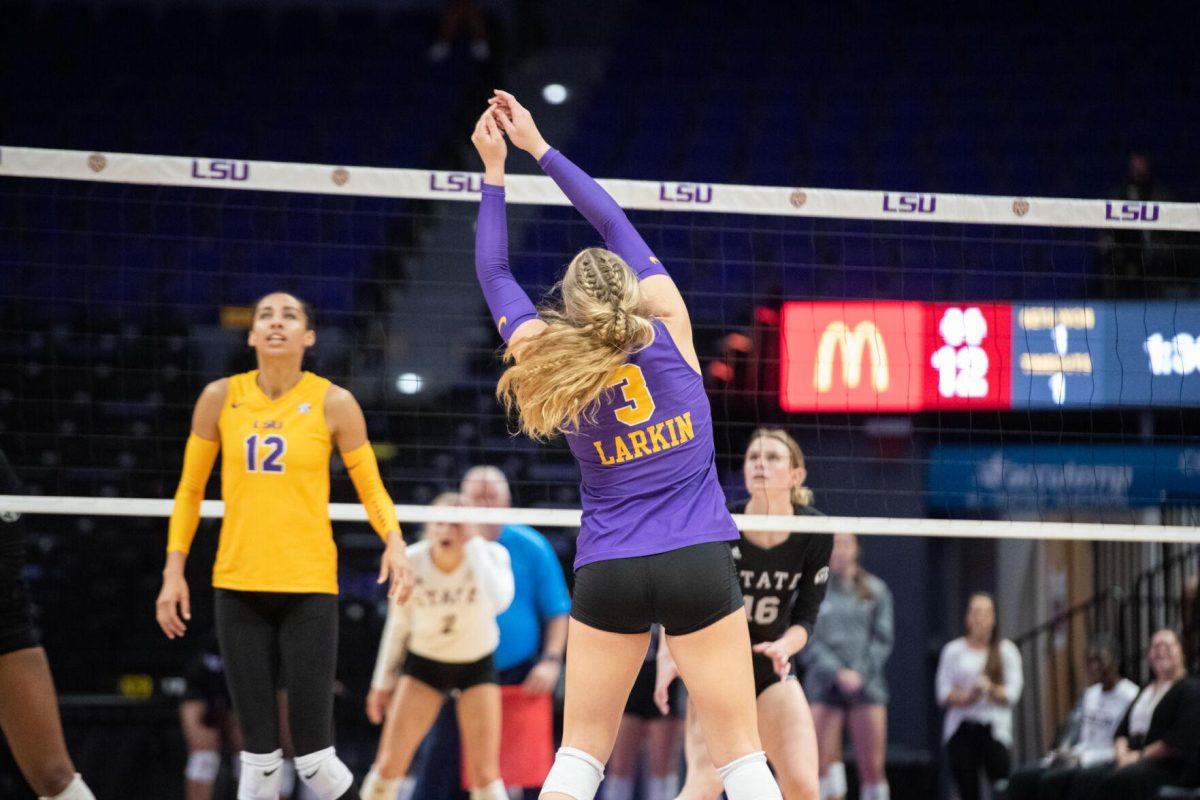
275, 577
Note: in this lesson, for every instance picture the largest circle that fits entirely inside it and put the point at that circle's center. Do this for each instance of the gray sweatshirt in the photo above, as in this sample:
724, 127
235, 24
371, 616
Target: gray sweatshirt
851, 633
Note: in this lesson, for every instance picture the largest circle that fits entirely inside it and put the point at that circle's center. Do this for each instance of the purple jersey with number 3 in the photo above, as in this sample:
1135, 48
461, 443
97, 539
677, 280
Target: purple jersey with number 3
647, 463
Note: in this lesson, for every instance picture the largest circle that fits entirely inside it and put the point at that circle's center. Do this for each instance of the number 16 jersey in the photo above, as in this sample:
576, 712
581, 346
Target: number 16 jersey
648, 475
276, 535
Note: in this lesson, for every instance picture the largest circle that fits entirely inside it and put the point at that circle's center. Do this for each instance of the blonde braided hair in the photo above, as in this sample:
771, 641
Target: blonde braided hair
556, 377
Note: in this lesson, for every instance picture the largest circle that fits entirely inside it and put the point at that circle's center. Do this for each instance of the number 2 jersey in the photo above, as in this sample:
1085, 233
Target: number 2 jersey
451, 616
276, 535
648, 475
782, 585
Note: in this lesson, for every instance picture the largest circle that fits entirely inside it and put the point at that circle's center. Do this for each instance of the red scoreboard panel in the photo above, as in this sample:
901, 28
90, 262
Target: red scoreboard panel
893, 356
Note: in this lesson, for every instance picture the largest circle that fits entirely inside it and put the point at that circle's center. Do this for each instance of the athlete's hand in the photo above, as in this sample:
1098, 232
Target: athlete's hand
393, 566
378, 701
518, 123
849, 682
489, 142
174, 605
543, 678
781, 658
664, 676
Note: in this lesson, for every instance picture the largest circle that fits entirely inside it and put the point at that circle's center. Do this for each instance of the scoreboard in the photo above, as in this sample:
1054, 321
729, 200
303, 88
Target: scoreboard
896, 356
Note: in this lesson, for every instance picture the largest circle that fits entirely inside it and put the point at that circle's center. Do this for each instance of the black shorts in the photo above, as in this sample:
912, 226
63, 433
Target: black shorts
641, 698
764, 673
685, 590
446, 676
16, 623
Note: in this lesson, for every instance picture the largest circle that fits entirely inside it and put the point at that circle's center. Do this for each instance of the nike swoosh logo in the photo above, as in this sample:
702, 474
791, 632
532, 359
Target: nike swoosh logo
502, 323
270, 772
314, 772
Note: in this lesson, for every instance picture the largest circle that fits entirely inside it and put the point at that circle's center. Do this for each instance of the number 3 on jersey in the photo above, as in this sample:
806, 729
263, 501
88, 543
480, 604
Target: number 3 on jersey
271, 453
640, 405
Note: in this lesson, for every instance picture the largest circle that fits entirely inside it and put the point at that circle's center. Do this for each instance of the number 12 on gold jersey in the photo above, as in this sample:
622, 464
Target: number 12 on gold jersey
273, 448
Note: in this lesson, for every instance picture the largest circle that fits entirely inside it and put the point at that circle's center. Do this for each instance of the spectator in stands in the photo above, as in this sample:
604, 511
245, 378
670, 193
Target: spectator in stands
1133, 265
533, 631
1157, 736
1191, 623
1089, 738
458, 15
843, 672
979, 680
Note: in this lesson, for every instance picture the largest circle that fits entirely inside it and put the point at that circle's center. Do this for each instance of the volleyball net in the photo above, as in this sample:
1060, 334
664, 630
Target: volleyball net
952, 365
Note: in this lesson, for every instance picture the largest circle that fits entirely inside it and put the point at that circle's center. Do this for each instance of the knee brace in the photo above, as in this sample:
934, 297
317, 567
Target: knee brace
834, 783
575, 774
749, 778
262, 775
76, 790
203, 766
324, 774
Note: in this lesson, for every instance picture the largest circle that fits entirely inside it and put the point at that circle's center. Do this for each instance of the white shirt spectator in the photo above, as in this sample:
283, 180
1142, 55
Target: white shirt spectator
451, 616
959, 668
1101, 713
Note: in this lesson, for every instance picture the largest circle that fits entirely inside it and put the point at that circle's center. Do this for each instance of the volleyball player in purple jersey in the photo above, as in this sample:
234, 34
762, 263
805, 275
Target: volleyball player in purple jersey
613, 368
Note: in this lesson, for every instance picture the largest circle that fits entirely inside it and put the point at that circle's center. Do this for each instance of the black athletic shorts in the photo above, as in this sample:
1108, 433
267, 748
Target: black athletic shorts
685, 590
16, 624
641, 698
447, 676
764, 673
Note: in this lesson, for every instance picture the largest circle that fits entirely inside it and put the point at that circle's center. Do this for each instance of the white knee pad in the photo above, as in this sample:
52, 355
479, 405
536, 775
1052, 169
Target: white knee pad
203, 766
262, 775
324, 774
749, 778
834, 782
76, 790
876, 791
575, 774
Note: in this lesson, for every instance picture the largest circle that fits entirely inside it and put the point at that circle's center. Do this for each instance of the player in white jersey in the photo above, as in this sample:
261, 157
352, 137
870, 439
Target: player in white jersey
442, 641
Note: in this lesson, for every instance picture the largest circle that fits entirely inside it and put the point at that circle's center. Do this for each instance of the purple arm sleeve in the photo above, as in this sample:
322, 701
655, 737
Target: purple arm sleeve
597, 205
507, 301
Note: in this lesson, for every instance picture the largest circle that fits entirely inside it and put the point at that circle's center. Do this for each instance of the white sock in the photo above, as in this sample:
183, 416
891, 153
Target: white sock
617, 787
377, 788
833, 785
876, 791
663, 787
76, 790
749, 778
324, 773
493, 791
408, 785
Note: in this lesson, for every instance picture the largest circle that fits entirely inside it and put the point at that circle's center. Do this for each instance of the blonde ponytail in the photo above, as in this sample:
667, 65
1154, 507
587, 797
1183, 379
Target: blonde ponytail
557, 376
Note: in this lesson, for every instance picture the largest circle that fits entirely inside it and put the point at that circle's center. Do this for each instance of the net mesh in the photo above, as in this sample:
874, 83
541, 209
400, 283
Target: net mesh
122, 300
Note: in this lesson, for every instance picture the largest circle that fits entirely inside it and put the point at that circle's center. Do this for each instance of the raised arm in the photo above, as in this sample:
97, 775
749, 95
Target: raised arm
513, 313
661, 296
